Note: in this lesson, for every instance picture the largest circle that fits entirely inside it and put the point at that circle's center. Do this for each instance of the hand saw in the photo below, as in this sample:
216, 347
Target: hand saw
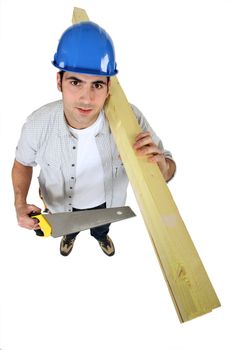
59, 224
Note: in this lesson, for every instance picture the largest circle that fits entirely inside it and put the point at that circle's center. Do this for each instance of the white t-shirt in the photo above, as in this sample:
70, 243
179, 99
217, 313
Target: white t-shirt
89, 187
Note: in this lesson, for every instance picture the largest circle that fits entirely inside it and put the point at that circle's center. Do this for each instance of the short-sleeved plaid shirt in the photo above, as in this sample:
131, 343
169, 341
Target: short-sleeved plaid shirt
46, 140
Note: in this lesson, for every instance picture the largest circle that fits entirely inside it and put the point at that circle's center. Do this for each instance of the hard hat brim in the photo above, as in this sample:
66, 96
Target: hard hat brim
84, 70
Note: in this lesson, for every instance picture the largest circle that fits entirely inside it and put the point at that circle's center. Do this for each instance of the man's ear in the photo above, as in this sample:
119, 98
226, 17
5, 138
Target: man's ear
59, 87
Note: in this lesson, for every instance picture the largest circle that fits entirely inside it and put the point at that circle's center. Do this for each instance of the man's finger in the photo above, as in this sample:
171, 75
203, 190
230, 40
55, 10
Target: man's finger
142, 135
143, 142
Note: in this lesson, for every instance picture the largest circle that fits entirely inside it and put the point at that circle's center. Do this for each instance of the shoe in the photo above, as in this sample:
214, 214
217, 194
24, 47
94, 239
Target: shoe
66, 245
107, 246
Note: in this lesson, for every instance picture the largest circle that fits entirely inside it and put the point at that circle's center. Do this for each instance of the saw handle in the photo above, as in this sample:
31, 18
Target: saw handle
45, 229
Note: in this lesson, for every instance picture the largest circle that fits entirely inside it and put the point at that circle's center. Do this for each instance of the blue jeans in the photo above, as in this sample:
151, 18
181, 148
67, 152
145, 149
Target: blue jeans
98, 232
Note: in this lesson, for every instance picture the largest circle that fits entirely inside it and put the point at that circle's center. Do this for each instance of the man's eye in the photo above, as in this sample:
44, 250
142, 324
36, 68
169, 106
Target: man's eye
75, 82
98, 86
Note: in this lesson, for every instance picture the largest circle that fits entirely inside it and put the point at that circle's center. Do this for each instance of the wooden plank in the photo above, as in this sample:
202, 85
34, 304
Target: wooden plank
187, 280
79, 15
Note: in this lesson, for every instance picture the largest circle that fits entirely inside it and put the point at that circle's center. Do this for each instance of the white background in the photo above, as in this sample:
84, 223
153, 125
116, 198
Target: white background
175, 63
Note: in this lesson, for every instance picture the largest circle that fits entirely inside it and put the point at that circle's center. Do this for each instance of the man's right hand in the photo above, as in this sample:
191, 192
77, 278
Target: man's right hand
23, 213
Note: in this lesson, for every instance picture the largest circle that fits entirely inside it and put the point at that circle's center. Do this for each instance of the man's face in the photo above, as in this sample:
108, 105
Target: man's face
83, 97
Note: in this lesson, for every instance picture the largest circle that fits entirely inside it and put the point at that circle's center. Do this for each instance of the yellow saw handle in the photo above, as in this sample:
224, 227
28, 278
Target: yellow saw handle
44, 225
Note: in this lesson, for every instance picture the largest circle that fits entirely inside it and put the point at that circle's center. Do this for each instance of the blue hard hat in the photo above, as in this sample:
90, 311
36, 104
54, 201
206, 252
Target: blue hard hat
86, 48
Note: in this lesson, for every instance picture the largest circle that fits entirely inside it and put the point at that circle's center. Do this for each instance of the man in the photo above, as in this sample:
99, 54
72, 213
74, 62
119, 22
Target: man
72, 142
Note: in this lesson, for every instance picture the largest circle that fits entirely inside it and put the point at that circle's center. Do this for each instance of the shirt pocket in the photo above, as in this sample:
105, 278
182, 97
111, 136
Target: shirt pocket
50, 174
118, 168
49, 162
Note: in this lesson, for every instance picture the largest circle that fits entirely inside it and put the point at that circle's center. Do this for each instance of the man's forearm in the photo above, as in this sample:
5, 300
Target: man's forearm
21, 178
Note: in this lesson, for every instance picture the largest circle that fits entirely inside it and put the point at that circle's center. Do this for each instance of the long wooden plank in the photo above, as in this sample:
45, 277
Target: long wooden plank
187, 280
79, 15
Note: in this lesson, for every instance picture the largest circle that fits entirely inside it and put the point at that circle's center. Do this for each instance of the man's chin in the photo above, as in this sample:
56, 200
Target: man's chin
84, 121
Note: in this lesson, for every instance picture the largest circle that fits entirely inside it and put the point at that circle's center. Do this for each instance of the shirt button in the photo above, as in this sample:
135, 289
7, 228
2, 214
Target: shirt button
70, 197
74, 147
72, 164
71, 188
70, 210
72, 178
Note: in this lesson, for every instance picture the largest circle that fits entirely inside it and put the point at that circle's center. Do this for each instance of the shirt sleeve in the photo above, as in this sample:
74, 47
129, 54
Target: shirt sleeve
26, 149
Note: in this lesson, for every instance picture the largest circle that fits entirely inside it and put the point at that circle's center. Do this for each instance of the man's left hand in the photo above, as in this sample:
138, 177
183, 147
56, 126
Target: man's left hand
145, 146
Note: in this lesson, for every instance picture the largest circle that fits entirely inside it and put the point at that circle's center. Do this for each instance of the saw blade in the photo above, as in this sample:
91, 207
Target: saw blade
67, 223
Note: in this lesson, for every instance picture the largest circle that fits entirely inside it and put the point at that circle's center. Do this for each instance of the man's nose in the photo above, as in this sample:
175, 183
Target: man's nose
87, 94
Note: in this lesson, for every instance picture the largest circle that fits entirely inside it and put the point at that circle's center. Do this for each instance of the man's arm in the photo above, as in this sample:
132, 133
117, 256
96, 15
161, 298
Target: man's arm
21, 178
144, 146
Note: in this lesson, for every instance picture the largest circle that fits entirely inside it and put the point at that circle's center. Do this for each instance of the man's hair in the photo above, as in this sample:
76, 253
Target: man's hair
62, 73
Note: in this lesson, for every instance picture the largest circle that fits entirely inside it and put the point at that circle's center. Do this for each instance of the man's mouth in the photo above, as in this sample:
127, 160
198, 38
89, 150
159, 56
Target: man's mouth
84, 110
